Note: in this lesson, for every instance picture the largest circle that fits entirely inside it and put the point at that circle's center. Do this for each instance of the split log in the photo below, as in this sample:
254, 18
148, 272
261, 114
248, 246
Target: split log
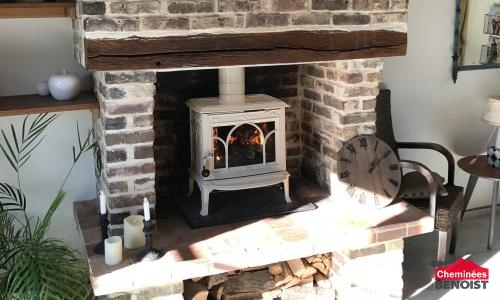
275, 269
249, 282
213, 280
297, 267
194, 291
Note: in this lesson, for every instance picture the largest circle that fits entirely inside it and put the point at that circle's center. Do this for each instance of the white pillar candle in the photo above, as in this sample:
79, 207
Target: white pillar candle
132, 232
147, 217
113, 250
102, 202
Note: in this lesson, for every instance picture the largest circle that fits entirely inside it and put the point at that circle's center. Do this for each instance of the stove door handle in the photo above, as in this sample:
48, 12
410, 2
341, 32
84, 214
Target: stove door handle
206, 172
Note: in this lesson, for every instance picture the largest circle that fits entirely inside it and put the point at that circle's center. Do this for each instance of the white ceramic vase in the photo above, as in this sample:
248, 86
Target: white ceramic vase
64, 85
42, 88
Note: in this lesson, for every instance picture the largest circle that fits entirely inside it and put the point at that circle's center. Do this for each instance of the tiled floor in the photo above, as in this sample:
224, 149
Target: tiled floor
420, 252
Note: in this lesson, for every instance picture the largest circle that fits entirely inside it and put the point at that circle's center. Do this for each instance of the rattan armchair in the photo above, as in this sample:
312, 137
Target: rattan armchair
448, 207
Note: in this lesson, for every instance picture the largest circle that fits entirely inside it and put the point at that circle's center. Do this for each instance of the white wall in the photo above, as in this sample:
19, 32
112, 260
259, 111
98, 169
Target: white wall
427, 106
30, 51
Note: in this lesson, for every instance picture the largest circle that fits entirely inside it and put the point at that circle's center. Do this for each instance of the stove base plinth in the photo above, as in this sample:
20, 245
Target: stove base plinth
237, 183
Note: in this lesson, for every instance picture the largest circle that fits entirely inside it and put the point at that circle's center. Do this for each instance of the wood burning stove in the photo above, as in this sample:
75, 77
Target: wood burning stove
237, 140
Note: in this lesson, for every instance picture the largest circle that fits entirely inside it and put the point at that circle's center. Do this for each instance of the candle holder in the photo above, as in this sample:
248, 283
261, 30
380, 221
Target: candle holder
103, 223
148, 253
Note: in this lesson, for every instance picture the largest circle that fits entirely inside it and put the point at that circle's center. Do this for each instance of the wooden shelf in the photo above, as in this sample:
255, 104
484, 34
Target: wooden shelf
37, 10
33, 104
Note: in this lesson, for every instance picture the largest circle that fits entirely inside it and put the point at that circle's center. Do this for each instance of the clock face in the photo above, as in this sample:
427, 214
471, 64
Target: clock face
368, 171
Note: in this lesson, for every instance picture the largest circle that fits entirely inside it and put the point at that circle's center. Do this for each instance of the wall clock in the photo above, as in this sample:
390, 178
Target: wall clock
368, 171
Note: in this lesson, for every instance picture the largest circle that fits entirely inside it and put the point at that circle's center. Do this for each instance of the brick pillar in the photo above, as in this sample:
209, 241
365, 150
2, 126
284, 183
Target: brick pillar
370, 273
338, 102
125, 134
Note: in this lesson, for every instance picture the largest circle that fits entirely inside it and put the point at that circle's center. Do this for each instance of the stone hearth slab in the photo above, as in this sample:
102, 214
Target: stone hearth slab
191, 253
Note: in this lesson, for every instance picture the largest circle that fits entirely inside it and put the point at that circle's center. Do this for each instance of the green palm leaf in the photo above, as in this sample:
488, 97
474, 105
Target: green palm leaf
11, 198
17, 150
42, 227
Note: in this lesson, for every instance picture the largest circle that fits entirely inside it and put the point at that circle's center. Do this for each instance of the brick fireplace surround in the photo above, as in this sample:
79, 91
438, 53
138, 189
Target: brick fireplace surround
322, 57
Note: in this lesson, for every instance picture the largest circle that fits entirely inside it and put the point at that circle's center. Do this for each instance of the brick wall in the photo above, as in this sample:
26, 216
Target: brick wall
125, 134
337, 103
374, 272
191, 15
115, 19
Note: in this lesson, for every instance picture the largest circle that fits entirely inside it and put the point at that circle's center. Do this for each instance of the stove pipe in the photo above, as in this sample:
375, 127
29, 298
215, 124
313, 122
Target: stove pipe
232, 84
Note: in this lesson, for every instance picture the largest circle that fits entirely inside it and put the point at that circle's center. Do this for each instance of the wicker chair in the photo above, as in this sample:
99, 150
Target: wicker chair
448, 207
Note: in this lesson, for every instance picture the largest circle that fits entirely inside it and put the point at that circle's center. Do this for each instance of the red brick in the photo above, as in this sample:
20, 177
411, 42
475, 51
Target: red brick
118, 187
288, 5
358, 118
370, 4
141, 152
352, 77
239, 5
369, 104
120, 171
119, 108
136, 199
128, 138
143, 121
266, 20
333, 102
374, 77
164, 23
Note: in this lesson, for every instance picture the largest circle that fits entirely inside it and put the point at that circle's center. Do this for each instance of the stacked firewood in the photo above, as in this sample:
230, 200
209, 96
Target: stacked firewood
268, 282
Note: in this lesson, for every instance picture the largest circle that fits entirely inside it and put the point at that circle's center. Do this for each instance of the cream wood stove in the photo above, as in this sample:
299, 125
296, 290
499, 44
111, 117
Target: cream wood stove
237, 140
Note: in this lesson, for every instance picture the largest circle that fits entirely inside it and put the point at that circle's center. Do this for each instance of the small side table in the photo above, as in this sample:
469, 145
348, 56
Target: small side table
476, 169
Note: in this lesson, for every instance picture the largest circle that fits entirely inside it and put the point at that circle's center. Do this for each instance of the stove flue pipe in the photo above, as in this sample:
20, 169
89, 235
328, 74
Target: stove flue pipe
232, 84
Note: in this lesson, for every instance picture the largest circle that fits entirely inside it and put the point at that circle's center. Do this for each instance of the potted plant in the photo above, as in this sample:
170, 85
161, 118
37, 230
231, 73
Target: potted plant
32, 265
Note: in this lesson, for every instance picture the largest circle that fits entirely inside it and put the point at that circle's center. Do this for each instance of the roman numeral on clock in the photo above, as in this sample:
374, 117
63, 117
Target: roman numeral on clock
351, 148
387, 194
344, 174
394, 167
345, 160
362, 198
351, 189
394, 182
362, 143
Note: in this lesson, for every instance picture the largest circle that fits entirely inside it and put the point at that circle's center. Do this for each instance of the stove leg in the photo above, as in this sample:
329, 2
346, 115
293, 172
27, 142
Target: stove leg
205, 197
190, 186
285, 190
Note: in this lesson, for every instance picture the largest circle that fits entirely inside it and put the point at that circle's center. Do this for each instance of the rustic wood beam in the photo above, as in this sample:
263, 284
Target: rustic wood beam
241, 49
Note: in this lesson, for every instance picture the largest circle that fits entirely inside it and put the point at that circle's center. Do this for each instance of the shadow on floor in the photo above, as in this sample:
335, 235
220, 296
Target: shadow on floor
420, 256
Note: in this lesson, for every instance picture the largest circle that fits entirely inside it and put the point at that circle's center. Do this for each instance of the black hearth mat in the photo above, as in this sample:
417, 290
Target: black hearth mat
235, 206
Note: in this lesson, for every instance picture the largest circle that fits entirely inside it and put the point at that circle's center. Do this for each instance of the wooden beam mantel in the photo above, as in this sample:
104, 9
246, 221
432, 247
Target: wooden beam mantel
210, 50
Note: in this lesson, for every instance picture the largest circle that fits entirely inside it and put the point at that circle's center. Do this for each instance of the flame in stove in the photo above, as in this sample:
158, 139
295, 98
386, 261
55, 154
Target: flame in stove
255, 138
215, 133
233, 139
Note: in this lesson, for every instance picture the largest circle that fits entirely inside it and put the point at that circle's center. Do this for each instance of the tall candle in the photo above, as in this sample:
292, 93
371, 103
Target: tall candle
113, 250
147, 217
102, 202
133, 234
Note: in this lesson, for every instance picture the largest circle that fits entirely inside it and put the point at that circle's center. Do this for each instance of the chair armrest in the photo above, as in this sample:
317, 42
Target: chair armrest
436, 147
409, 164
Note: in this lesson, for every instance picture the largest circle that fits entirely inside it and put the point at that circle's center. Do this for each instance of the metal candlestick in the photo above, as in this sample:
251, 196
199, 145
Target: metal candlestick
103, 223
148, 253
